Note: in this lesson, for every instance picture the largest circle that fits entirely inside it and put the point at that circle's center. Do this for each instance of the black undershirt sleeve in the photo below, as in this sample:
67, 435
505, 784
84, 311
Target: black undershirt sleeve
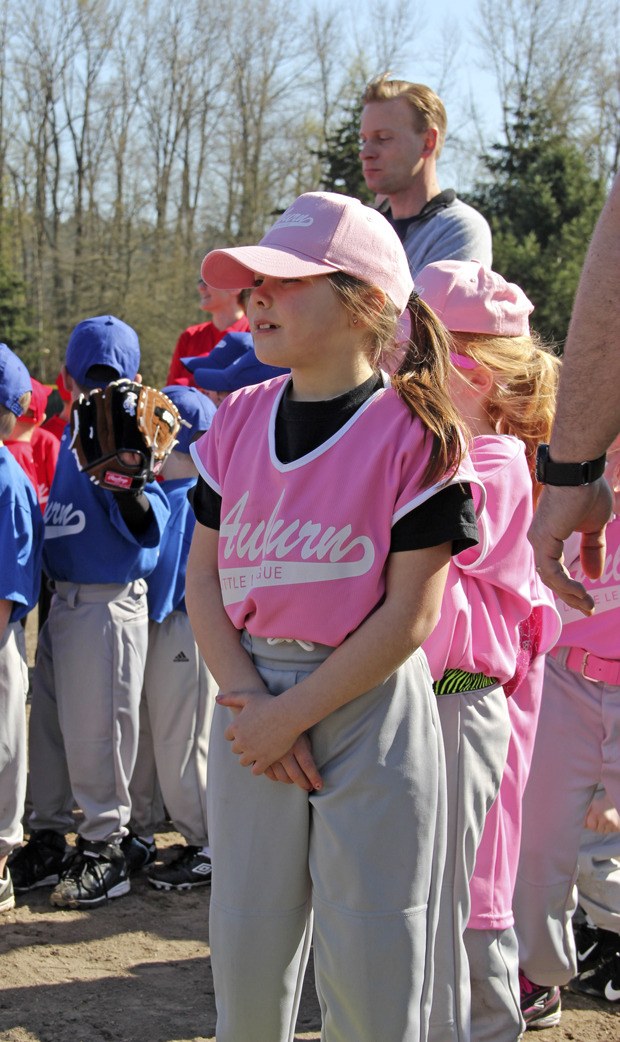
136, 511
448, 516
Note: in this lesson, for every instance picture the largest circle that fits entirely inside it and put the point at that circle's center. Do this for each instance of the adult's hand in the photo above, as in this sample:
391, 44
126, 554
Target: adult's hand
562, 510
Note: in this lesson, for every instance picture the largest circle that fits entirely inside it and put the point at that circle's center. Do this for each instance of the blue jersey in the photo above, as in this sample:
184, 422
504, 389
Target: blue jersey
166, 591
21, 538
86, 538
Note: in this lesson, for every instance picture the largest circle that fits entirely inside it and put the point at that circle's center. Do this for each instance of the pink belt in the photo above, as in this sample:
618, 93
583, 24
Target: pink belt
600, 670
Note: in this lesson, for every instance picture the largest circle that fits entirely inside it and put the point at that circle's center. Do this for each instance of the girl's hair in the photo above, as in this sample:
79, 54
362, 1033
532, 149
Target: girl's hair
421, 378
522, 399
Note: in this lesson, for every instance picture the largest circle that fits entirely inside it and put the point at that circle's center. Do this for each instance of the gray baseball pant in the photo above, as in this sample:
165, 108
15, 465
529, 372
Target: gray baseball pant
364, 855
13, 756
493, 957
85, 706
598, 881
577, 748
177, 704
476, 730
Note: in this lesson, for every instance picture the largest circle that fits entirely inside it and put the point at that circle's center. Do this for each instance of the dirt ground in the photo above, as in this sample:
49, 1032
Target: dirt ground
138, 970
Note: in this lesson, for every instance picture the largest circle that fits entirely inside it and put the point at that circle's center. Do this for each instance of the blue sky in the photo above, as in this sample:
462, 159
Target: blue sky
467, 79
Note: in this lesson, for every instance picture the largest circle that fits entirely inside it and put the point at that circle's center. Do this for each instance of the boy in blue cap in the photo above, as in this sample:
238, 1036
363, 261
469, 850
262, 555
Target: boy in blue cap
21, 538
178, 696
99, 547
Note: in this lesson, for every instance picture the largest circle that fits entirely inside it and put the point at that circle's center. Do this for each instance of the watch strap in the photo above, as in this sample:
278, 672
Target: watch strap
548, 472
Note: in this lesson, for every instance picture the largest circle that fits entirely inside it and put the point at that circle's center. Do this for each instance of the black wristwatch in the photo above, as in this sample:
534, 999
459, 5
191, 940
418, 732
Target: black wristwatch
550, 473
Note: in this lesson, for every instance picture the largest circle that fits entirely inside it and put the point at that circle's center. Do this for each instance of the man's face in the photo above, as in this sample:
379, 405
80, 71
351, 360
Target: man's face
392, 151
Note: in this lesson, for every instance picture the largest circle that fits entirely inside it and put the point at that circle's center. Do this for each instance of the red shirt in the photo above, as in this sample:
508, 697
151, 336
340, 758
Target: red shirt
196, 342
37, 458
56, 425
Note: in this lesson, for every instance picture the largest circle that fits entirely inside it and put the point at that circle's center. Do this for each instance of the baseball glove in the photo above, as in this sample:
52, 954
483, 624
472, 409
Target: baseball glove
122, 434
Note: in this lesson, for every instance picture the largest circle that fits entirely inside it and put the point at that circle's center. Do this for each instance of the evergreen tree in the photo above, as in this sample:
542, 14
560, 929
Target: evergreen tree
542, 204
340, 161
14, 329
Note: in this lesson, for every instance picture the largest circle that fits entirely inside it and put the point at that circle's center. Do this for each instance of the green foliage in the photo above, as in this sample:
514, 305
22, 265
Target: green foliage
340, 161
542, 203
14, 329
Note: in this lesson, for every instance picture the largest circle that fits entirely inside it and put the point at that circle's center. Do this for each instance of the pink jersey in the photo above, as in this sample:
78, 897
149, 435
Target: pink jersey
302, 546
489, 588
596, 633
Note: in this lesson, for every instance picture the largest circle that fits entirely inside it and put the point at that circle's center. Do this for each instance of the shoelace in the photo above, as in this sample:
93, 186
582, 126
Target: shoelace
307, 645
78, 867
526, 986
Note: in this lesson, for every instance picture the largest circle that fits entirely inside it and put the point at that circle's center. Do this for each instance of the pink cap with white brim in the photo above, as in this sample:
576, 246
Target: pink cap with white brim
469, 298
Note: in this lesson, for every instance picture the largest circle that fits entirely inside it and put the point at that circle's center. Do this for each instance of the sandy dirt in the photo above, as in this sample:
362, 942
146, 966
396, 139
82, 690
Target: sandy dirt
137, 970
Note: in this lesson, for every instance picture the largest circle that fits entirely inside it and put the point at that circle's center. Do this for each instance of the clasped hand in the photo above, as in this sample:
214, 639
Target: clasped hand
265, 740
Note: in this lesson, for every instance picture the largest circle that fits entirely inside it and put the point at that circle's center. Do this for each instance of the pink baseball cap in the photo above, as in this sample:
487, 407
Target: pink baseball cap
469, 298
320, 232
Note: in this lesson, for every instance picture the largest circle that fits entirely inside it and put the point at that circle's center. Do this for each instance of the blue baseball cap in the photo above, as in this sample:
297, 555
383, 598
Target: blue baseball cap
244, 371
103, 340
14, 380
195, 408
231, 347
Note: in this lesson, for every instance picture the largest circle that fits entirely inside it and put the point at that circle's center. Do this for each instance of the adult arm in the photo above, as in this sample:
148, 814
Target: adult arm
587, 417
264, 728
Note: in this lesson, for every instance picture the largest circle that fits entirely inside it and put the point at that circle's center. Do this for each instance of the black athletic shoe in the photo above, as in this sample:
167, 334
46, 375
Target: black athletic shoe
96, 873
592, 944
7, 897
191, 868
602, 981
138, 853
38, 862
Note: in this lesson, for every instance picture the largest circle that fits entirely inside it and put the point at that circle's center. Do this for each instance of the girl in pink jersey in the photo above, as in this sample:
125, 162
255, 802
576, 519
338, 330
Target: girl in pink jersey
577, 749
330, 501
494, 619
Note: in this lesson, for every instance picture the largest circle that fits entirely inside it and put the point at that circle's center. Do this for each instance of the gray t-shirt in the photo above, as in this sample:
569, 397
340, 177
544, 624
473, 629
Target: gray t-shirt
445, 229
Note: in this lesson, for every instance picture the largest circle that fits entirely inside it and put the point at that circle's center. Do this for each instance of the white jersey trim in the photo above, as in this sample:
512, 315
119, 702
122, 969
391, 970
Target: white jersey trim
193, 451
284, 468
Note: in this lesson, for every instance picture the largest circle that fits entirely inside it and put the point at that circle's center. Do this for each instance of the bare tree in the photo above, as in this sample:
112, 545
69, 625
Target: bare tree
549, 52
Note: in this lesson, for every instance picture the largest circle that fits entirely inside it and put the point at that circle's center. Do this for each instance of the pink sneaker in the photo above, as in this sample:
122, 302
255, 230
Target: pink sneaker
540, 1004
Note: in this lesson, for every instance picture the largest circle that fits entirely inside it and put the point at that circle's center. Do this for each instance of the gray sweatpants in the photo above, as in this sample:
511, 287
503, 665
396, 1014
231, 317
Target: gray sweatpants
364, 854
577, 748
476, 730
177, 704
85, 704
13, 761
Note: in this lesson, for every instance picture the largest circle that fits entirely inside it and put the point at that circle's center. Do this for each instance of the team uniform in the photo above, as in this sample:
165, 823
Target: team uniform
301, 567
37, 458
198, 341
21, 537
90, 660
472, 654
445, 229
178, 694
577, 748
